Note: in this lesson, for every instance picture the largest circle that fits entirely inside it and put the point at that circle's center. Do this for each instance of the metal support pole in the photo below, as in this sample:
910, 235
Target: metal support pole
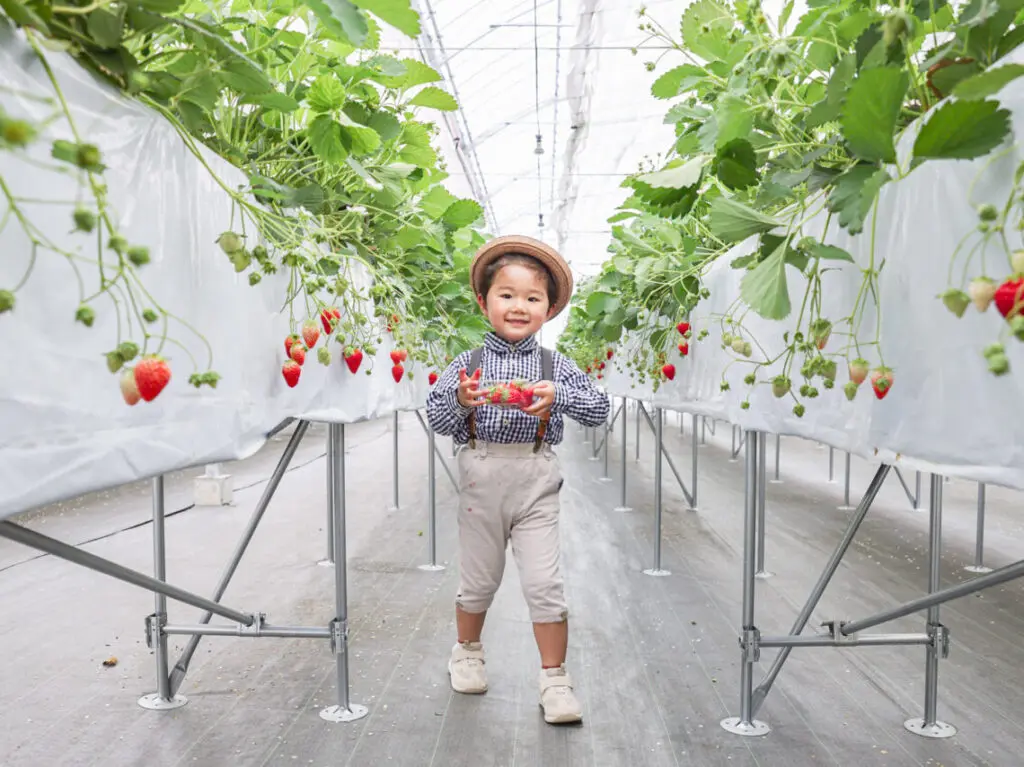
609, 424
929, 725
181, 667
394, 461
762, 455
328, 561
622, 469
979, 538
745, 724
693, 464
778, 449
917, 490
345, 711
639, 408
733, 450
659, 423
437, 452
89, 561
824, 579
846, 487
668, 459
163, 699
831, 464
432, 565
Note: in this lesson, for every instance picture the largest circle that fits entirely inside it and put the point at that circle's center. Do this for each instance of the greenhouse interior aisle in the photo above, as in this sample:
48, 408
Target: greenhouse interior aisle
655, 659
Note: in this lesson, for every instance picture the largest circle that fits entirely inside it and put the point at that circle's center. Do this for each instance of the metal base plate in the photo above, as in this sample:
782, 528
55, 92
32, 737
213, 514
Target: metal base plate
353, 713
605, 479
153, 702
978, 569
325, 563
623, 508
935, 730
764, 575
774, 481
657, 573
846, 508
431, 568
751, 729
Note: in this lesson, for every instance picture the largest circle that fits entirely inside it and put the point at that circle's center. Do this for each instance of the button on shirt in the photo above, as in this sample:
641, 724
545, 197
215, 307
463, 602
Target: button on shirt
576, 396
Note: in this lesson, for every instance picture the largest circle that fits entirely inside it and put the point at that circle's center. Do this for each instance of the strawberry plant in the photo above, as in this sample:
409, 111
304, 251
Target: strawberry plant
785, 134
345, 190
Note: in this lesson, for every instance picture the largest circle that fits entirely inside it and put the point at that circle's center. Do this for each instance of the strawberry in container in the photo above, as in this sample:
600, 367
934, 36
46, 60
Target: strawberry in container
507, 394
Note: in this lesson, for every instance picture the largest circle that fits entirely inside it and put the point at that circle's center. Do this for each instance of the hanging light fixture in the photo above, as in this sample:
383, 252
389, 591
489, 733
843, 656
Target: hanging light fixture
540, 220
539, 149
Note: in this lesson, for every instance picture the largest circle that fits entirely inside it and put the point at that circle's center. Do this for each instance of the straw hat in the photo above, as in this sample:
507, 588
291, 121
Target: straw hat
527, 246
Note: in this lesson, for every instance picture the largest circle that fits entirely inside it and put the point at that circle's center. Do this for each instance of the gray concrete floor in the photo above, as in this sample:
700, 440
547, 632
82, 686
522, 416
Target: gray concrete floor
655, 659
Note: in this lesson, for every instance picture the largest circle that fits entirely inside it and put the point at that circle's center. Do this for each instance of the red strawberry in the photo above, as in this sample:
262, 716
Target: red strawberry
129, 390
151, 376
310, 334
396, 357
599, 376
329, 318
590, 369
1010, 297
609, 353
683, 327
858, 371
404, 353
353, 358
669, 371
684, 349
881, 381
288, 343
496, 395
291, 372
600, 366
432, 378
397, 372
298, 353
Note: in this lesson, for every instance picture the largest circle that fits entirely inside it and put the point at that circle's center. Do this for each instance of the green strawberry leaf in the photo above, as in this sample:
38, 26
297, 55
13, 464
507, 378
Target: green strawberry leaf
326, 94
736, 164
853, 194
434, 98
343, 19
871, 110
397, 13
679, 80
764, 288
462, 213
680, 176
325, 139
962, 130
732, 221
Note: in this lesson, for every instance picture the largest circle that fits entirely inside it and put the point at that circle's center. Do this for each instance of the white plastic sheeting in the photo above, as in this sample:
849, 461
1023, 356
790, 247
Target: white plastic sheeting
945, 412
64, 428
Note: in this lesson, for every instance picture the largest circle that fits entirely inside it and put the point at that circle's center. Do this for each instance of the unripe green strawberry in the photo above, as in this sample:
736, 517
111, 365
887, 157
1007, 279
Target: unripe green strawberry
323, 356
956, 301
780, 386
114, 361
17, 133
149, 315
85, 220
799, 410
850, 389
6, 301
737, 345
128, 350
87, 157
230, 243
1017, 327
138, 255
993, 349
254, 278
981, 291
988, 212
259, 253
118, 244
241, 260
85, 315
998, 364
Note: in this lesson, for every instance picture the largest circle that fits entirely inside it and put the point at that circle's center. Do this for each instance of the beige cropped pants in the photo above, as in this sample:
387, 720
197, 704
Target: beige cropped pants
509, 493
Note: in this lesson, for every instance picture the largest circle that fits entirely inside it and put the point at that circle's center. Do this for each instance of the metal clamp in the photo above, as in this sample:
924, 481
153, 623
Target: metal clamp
940, 638
254, 630
339, 636
750, 644
834, 628
155, 629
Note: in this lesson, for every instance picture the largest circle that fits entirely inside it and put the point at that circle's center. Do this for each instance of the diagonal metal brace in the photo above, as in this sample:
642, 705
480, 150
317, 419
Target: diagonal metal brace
668, 458
437, 451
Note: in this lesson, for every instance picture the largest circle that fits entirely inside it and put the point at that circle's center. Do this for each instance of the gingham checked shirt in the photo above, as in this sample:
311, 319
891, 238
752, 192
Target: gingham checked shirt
575, 396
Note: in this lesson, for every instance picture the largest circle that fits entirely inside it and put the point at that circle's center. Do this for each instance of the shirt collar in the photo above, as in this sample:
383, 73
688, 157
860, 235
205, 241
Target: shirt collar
496, 343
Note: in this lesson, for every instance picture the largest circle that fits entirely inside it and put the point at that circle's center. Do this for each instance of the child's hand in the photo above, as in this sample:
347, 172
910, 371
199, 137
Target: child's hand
543, 399
469, 395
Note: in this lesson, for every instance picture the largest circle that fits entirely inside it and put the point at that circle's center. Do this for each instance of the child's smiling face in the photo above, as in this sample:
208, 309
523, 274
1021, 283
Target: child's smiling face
517, 304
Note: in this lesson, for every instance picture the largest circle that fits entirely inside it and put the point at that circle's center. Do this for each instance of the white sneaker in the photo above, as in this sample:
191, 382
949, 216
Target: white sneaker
466, 668
557, 698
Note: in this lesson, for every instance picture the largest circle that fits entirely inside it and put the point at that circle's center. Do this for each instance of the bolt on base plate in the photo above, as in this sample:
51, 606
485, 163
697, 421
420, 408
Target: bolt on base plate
764, 575
325, 563
153, 702
933, 730
978, 569
431, 568
751, 729
339, 714
623, 508
657, 573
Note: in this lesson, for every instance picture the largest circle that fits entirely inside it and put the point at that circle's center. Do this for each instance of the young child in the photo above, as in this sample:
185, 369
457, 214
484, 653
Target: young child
509, 477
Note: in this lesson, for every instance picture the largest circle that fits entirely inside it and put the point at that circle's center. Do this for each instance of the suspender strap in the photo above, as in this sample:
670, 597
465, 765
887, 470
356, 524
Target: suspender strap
547, 368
